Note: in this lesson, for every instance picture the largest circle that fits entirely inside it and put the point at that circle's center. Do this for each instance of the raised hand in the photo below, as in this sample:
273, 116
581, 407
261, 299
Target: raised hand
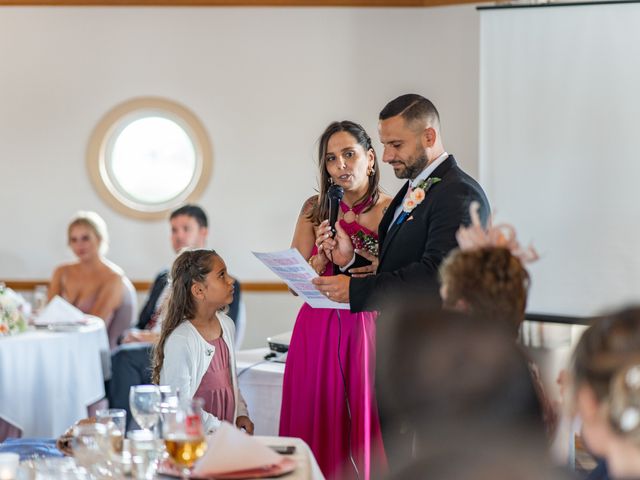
338, 249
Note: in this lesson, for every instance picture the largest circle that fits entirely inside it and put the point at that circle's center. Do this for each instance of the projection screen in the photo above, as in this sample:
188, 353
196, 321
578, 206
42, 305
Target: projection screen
559, 129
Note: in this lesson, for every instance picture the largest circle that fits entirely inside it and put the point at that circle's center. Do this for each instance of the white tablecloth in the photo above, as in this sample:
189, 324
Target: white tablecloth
47, 379
261, 387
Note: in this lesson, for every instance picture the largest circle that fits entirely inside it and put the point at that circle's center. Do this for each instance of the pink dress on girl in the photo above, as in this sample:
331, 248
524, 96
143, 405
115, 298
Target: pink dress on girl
215, 387
313, 398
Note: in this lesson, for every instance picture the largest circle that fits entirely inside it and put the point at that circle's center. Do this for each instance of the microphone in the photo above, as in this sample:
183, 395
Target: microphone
335, 194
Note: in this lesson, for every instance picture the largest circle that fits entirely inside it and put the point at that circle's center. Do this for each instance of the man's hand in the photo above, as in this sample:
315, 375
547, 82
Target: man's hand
339, 249
367, 269
336, 288
246, 423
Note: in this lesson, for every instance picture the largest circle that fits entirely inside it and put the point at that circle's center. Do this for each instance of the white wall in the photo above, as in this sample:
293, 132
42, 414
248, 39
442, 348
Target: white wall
264, 81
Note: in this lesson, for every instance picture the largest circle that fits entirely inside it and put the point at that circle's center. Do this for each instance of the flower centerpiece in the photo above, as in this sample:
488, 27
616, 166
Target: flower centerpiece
14, 311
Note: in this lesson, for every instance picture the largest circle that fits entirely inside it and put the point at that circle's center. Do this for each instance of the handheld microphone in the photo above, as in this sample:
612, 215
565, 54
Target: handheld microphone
335, 194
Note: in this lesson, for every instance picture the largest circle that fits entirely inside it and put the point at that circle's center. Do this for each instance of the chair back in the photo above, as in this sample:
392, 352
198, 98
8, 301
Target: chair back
241, 324
125, 315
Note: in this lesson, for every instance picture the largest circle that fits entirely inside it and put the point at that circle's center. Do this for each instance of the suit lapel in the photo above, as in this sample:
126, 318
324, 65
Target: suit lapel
386, 240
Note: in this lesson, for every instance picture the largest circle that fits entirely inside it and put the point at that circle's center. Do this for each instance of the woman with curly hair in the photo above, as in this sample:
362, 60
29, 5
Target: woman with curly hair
486, 277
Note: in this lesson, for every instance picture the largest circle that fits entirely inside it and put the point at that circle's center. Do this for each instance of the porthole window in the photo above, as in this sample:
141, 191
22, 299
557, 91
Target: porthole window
149, 155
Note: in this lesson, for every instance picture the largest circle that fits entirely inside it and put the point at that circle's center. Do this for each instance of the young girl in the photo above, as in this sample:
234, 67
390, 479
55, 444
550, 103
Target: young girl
195, 350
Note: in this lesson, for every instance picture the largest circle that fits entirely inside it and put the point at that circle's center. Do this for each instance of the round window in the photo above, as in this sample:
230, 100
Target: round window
149, 155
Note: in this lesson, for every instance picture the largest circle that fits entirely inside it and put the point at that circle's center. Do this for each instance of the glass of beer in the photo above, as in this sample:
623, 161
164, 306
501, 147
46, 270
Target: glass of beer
183, 433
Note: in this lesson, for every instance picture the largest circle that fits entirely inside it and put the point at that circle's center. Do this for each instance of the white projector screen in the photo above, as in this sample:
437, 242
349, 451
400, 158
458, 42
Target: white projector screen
559, 139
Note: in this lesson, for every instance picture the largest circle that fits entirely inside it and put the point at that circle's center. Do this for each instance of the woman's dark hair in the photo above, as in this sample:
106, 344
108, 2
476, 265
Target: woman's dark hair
320, 209
451, 370
191, 266
603, 359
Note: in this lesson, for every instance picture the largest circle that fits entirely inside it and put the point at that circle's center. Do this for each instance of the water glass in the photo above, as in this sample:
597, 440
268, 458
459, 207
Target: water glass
92, 447
143, 402
145, 454
40, 293
116, 421
169, 400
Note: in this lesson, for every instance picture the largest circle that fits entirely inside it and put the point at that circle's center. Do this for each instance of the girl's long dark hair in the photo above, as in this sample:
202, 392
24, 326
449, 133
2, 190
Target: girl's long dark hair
190, 266
320, 209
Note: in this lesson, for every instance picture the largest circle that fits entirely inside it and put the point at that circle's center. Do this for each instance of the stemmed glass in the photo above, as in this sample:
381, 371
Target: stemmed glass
183, 434
144, 401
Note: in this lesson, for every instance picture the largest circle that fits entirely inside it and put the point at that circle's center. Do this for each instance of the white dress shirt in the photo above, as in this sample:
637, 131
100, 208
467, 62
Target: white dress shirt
424, 174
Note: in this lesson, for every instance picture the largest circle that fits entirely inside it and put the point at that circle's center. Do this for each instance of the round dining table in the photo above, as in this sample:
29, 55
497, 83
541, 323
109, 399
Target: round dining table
49, 376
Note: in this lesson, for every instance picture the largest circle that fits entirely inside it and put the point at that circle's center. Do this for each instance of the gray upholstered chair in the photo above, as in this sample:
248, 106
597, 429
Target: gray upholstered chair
125, 315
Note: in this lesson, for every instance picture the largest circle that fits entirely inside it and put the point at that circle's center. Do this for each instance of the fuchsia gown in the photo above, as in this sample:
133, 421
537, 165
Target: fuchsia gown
313, 399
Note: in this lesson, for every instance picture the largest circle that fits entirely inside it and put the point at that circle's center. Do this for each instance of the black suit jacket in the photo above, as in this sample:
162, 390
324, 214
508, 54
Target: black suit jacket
411, 252
157, 288
150, 305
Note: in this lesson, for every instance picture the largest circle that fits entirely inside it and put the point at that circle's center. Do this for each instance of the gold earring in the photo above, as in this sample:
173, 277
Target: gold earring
371, 171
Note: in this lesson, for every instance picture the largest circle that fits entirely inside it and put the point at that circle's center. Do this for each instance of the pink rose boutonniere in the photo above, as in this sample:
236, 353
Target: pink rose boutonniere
418, 194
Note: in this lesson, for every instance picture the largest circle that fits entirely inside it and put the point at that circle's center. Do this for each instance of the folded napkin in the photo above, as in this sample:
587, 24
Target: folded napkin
230, 450
58, 310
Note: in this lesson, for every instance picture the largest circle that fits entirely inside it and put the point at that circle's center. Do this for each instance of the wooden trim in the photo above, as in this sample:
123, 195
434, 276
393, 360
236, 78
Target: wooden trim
263, 287
144, 285
234, 3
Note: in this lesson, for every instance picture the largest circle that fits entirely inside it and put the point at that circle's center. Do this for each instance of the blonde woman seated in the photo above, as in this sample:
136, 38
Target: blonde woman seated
92, 283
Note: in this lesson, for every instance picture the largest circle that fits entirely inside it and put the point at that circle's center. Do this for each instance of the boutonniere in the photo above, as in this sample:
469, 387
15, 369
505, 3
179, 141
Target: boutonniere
417, 194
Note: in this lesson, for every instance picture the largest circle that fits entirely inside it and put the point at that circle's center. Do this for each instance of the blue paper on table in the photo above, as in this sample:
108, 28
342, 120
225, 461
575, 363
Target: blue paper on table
30, 447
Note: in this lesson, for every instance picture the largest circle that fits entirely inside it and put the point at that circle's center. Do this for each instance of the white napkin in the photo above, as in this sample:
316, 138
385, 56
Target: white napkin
58, 310
230, 450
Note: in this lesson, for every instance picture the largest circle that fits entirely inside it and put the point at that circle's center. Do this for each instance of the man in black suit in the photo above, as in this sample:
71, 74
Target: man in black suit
131, 362
418, 229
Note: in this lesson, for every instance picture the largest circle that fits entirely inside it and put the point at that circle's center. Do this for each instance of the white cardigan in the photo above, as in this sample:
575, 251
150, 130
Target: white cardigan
186, 359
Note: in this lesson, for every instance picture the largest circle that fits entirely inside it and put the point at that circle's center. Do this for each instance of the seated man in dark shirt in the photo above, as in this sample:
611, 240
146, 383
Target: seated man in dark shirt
131, 361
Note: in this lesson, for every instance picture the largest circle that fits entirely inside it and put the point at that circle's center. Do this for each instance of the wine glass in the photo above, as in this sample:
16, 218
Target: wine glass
144, 401
183, 434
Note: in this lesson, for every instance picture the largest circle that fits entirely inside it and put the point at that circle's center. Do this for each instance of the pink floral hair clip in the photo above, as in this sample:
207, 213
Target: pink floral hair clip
475, 236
